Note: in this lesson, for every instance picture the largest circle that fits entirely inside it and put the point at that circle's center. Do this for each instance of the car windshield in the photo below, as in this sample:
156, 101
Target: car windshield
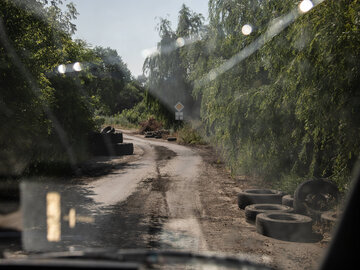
224, 126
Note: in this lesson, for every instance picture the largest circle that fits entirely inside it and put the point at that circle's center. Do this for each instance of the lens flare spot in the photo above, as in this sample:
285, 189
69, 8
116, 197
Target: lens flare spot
77, 67
149, 52
305, 6
180, 42
61, 69
246, 29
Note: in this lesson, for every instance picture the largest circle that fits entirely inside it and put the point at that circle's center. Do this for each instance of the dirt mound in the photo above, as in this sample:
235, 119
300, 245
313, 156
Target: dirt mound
150, 125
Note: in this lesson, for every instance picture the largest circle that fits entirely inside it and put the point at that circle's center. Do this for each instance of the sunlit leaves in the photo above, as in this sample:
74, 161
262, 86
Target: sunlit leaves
291, 108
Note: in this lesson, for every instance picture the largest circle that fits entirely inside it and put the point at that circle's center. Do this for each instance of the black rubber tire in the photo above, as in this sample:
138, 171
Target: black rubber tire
171, 139
316, 189
251, 211
284, 226
105, 130
124, 149
256, 196
116, 138
288, 200
148, 136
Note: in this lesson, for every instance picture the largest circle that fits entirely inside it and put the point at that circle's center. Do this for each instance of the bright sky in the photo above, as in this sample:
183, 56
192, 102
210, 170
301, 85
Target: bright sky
128, 25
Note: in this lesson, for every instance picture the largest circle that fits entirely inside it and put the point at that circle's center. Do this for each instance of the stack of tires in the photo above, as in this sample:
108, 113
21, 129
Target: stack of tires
264, 208
109, 143
286, 217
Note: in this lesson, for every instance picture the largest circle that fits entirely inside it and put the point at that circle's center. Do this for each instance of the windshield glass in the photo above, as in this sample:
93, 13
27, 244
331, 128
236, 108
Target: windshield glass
228, 126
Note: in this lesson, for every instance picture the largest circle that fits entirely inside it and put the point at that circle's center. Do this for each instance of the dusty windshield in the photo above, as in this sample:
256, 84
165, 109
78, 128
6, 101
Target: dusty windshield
227, 126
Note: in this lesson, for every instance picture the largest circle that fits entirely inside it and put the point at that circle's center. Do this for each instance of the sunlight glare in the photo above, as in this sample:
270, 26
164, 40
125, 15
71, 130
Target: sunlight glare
246, 29
149, 52
180, 42
305, 6
61, 68
77, 67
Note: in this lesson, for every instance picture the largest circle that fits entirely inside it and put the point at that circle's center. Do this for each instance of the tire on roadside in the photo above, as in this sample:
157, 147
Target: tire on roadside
258, 196
171, 139
116, 138
124, 149
314, 197
288, 200
251, 211
149, 134
105, 130
284, 226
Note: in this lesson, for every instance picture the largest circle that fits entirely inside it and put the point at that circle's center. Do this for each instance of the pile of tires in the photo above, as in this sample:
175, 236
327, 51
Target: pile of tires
285, 226
108, 142
251, 211
259, 196
273, 215
288, 200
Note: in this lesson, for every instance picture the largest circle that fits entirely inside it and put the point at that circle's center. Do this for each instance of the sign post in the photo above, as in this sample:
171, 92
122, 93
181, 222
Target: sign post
179, 114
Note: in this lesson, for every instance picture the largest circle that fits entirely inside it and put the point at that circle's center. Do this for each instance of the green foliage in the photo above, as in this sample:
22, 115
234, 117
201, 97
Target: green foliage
28, 54
112, 82
117, 121
188, 135
168, 81
46, 116
139, 113
289, 111
287, 183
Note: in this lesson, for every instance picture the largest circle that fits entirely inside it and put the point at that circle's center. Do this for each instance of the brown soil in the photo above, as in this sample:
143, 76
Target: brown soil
225, 227
145, 213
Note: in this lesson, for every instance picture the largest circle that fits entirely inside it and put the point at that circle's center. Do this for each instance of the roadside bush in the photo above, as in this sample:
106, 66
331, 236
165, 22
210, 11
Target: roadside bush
150, 125
288, 183
188, 135
117, 121
139, 113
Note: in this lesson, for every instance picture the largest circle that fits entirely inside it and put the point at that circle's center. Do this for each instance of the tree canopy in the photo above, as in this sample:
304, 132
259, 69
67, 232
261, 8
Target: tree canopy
46, 115
290, 110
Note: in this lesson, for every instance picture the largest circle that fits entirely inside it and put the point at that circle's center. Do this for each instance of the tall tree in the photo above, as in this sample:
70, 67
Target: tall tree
168, 74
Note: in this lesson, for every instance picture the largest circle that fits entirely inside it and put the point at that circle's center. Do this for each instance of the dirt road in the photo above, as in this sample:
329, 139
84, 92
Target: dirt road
172, 196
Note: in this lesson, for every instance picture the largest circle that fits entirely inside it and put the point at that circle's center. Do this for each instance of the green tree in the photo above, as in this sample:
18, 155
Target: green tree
168, 81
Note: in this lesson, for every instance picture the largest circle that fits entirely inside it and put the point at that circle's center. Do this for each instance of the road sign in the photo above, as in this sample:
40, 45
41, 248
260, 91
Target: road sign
179, 107
179, 116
